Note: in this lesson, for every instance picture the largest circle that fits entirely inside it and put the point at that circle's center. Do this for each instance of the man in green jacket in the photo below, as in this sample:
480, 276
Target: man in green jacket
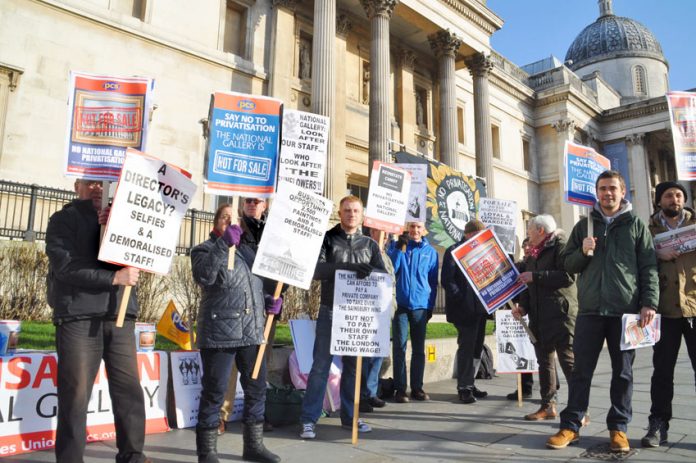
617, 271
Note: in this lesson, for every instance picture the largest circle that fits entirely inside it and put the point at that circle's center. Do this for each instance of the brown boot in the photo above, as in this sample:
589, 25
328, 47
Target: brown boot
545, 412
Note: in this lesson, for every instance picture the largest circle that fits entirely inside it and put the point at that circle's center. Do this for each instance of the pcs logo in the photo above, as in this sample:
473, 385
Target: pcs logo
246, 105
179, 323
111, 86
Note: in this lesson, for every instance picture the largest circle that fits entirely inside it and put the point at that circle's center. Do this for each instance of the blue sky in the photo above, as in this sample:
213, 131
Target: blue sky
535, 29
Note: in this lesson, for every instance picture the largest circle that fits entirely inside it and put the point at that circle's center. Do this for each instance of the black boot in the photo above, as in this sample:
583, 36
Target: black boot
655, 426
206, 445
254, 449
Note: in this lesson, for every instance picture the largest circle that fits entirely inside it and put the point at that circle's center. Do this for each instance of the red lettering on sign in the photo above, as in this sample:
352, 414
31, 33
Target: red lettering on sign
148, 369
15, 367
46, 370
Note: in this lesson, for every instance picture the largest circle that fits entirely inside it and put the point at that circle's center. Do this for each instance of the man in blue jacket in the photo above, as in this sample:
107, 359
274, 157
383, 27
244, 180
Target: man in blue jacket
415, 267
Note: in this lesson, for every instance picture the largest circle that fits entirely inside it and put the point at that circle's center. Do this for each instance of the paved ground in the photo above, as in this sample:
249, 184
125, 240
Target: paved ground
443, 429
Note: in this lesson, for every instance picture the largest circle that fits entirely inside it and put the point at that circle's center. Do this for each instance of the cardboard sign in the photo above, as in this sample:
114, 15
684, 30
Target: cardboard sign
28, 401
418, 195
303, 149
106, 116
361, 314
149, 205
293, 235
242, 154
582, 165
515, 351
388, 199
490, 272
501, 216
682, 115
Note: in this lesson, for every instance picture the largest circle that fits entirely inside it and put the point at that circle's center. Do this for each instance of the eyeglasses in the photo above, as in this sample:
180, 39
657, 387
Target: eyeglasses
90, 183
252, 201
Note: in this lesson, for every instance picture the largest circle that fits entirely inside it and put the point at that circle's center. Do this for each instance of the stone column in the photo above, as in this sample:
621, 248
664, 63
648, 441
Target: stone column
639, 168
445, 45
480, 67
324, 78
379, 12
406, 95
567, 213
338, 168
282, 51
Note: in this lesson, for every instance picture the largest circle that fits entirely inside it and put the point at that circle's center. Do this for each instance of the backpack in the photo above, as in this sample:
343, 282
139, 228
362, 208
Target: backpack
486, 370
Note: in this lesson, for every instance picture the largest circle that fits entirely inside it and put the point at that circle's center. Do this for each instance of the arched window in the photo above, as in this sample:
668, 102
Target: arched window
640, 81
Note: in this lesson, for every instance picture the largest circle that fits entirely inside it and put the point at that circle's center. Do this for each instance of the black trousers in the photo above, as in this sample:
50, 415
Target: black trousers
469, 346
665, 355
81, 346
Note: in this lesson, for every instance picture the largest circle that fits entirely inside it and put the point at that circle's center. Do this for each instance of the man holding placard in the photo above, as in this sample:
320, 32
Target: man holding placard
83, 293
344, 248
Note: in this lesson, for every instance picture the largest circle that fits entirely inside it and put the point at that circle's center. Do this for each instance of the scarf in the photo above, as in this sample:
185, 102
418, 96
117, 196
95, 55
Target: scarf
536, 250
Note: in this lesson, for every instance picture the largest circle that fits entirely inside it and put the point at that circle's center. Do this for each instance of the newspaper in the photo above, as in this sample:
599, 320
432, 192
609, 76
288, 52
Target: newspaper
681, 240
635, 337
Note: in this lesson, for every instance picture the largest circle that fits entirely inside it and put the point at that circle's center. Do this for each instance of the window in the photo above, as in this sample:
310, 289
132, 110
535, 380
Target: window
135, 8
495, 135
9, 78
526, 155
640, 85
359, 191
234, 40
460, 125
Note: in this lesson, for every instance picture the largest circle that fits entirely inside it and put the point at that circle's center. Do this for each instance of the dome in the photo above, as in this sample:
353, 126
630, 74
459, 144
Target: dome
611, 37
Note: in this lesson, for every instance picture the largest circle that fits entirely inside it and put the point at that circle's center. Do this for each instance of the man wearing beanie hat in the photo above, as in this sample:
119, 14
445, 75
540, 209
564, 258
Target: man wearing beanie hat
465, 311
677, 307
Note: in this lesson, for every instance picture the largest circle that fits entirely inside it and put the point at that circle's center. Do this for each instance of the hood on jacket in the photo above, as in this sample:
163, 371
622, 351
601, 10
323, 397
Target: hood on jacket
626, 206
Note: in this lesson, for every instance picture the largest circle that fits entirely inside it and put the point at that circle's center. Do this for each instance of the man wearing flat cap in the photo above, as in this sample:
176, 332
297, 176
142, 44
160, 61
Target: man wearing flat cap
677, 306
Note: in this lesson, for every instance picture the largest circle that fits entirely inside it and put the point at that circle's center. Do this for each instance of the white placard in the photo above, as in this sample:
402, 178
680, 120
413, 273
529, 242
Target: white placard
388, 198
361, 314
501, 216
418, 195
293, 235
303, 149
303, 334
149, 205
187, 370
515, 350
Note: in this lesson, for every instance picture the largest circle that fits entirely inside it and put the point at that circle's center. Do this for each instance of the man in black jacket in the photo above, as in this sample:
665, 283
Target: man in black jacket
83, 293
344, 248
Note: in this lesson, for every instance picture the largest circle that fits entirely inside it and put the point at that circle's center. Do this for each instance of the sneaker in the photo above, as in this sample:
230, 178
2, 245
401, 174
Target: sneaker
525, 395
479, 394
308, 431
401, 397
651, 439
467, 396
376, 402
618, 442
365, 406
562, 439
362, 426
419, 394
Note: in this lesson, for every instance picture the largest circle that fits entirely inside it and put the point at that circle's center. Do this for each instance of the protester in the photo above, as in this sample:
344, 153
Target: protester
83, 293
677, 271
344, 248
620, 277
230, 328
552, 305
466, 312
415, 266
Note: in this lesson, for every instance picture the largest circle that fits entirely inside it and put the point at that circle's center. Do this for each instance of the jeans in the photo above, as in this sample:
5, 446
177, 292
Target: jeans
548, 375
81, 346
416, 320
370, 376
469, 346
319, 374
590, 333
665, 355
217, 365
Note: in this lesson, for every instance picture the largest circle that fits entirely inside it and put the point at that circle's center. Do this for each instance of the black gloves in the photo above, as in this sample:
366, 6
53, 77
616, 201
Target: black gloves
363, 270
402, 241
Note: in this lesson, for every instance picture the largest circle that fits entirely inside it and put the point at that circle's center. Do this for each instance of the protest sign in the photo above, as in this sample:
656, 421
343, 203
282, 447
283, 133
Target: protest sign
28, 401
488, 269
635, 337
187, 371
500, 215
682, 115
242, 154
388, 198
515, 351
583, 165
106, 116
149, 205
682, 240
303, 149
172, 327
303, 333
293, 235
361, 314
417, 196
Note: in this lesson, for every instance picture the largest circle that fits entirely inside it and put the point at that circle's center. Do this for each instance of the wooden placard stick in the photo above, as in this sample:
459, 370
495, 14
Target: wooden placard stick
381, 239
234, 219
356, 399
266, 332
106, 185
590, 231
192, 336
519, 389
123, 306
524, 325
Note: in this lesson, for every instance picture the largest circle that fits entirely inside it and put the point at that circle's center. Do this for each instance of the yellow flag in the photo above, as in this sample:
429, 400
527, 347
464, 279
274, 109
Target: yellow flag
172, 327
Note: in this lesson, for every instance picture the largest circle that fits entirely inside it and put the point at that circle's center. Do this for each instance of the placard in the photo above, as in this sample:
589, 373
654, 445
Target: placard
682, 115
418, 194
582, 167
635, 337
515, 351
388, 198
500, 215
303, 149
681, 239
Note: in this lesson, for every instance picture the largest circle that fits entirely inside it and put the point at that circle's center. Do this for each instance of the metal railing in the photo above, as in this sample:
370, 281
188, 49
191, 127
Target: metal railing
25, 210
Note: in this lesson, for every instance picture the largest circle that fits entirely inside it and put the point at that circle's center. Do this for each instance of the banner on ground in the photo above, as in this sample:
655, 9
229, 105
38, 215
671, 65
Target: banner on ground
293, 235
500, 215
149, 205
388, 198
635, 337
451, 202
303, 149
515, 351
361, 314
242, 154
682, 114
187, 371
28, 401
172, 327
488, 269
418, 195
582, 167
106, 116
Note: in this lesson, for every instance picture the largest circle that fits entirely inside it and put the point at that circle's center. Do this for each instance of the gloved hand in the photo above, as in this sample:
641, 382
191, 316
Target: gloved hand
273, 305
232, 235
402, 242
363, 270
